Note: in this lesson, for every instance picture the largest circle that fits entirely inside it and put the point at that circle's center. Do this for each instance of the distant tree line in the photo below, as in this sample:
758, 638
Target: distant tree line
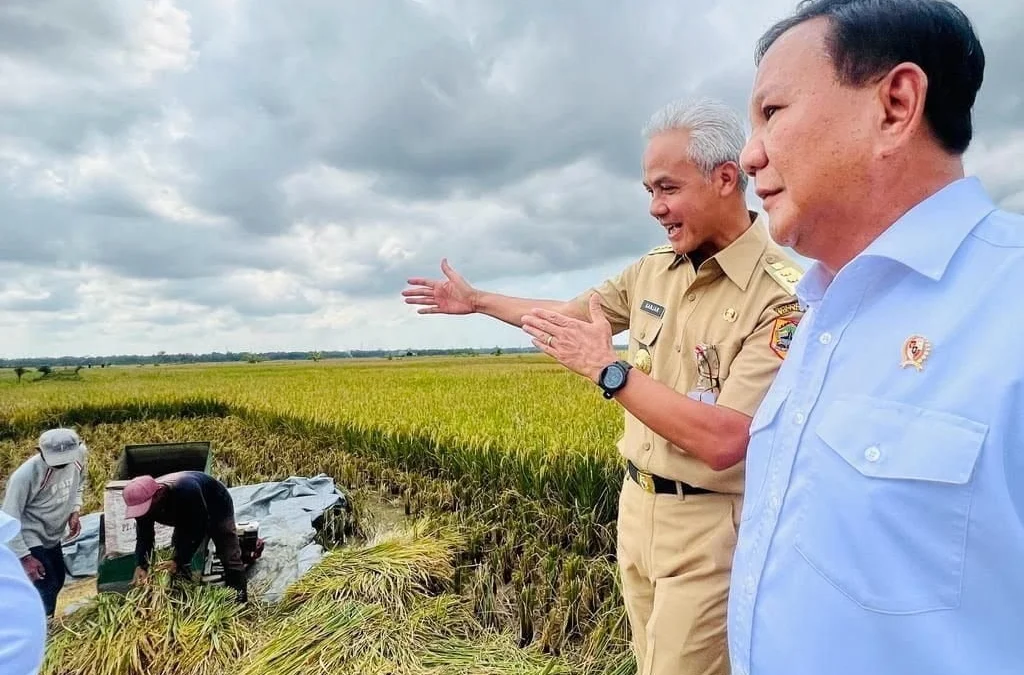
163, 358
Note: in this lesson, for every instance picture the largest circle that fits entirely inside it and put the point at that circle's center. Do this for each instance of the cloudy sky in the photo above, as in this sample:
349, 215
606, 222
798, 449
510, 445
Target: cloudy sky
257, 174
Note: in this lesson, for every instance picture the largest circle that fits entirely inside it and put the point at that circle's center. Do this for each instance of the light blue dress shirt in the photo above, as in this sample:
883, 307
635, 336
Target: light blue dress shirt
22, 617
882, 528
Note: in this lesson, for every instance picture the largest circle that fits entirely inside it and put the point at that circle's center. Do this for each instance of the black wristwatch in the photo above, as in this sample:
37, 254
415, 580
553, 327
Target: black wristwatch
613, 377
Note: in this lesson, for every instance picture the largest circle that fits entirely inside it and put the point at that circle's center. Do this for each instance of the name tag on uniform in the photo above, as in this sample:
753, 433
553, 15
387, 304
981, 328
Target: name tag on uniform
652, 308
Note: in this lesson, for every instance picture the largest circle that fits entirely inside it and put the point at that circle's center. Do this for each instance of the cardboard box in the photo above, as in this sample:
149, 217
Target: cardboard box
119, 532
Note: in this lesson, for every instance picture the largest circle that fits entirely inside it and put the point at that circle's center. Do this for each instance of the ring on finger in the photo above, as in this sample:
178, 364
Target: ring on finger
550, 338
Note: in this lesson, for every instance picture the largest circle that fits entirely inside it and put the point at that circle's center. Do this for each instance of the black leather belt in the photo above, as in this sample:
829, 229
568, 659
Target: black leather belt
662, 486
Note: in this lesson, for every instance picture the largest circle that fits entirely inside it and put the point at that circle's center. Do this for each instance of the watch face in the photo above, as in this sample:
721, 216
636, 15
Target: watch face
613, 377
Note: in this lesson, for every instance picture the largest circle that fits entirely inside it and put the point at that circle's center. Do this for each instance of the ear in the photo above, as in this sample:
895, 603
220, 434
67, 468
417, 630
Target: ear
726, 178
902, 93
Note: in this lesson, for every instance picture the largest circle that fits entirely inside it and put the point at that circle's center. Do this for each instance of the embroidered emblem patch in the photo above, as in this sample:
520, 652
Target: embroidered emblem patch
782, 335
652, 308
916, 349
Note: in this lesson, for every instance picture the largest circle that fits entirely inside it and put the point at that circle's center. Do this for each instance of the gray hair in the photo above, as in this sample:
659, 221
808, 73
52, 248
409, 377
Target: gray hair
717, 133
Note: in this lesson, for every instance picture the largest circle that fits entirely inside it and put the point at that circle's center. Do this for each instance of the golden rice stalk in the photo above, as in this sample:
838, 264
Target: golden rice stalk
393, 572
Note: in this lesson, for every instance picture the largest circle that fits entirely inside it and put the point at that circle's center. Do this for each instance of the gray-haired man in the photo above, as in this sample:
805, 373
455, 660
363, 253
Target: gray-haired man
45, 495
710, 317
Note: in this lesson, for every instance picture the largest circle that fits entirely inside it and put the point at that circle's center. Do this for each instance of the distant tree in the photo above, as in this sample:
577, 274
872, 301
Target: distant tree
497, 351
316, 356
20, 371
45, 370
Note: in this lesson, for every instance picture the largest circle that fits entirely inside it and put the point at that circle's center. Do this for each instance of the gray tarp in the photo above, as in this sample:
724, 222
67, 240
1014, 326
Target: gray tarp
285, 511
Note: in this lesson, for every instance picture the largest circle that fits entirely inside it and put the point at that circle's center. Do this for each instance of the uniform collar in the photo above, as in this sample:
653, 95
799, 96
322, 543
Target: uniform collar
739, 258
924, 239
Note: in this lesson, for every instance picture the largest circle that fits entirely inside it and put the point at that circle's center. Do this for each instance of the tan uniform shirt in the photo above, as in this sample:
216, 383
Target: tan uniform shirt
717, 334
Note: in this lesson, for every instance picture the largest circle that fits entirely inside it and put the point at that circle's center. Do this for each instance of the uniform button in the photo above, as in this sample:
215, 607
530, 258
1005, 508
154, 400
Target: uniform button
799, 418
873, 454
769, 259
691, 297
825, 338
646, 446
643, 334
679, 348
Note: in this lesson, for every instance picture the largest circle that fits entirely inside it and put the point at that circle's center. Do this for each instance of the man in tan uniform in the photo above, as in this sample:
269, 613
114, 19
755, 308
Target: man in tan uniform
710, 317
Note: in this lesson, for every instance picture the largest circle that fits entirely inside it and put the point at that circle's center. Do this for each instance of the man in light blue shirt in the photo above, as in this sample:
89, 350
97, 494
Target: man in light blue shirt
883, 525
22, 618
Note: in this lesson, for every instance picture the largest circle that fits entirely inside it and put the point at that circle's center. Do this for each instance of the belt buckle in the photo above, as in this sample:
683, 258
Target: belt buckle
645, 480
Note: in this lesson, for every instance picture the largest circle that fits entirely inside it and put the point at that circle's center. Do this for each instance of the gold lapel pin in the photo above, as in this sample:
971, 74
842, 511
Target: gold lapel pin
916, 349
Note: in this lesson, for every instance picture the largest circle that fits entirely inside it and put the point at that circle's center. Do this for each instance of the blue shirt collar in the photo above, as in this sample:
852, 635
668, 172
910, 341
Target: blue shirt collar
924, 239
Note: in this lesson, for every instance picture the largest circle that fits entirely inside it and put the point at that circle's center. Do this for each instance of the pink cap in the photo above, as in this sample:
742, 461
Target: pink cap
138, 495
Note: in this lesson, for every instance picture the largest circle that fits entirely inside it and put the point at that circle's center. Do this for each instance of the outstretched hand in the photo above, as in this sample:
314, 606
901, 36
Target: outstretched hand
454, 296
582, 347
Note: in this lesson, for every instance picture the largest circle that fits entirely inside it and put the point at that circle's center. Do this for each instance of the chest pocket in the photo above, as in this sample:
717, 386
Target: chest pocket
646, 329
888, 505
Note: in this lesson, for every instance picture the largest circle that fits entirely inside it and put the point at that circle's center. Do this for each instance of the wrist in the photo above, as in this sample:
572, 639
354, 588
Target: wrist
475, 301
595, 372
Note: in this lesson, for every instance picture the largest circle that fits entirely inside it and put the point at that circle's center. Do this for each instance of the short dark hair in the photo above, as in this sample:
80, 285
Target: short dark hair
868, 38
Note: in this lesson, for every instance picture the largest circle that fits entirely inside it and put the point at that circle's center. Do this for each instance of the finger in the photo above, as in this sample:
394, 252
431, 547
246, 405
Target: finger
418, 292
552, 317
421, 301
535, 332
449, 271
429, 310
421, 281
544, 348
542, 325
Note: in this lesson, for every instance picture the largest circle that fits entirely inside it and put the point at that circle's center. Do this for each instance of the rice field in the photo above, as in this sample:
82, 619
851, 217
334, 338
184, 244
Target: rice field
510, 461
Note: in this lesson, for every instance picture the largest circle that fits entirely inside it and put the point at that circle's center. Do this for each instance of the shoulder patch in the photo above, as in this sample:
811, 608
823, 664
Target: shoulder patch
784, 274
666, 248
782, 335
788, 308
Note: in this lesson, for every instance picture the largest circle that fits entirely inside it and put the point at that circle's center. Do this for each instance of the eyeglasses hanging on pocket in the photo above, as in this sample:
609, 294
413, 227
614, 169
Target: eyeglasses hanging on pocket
707, 385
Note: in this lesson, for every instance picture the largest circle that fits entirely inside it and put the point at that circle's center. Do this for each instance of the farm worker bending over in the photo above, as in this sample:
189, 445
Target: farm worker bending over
45, 495
196, 505
710, 318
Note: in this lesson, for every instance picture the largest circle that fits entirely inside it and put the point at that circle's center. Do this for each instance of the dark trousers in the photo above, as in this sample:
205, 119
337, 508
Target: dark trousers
229, 550
49, 586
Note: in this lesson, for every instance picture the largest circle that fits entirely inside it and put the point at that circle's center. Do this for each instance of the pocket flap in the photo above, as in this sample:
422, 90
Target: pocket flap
887, 439
646, 328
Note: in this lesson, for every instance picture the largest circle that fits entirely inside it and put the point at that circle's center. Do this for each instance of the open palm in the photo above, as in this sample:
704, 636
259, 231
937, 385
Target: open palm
453, 295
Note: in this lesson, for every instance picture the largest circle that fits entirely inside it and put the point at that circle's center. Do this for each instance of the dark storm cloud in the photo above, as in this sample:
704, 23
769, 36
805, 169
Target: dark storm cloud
345, 146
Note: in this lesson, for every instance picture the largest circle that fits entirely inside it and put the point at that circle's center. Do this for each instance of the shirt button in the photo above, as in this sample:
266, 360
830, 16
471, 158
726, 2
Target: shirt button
872, 454
646, 446
776, 502
691, 297
825, 338
798, 418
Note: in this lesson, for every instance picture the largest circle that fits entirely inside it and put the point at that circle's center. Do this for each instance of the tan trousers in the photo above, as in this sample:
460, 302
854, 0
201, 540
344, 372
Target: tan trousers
675, 557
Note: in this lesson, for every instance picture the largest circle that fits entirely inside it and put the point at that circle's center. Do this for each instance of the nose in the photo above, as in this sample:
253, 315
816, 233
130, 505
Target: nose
753, 158
658, 207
